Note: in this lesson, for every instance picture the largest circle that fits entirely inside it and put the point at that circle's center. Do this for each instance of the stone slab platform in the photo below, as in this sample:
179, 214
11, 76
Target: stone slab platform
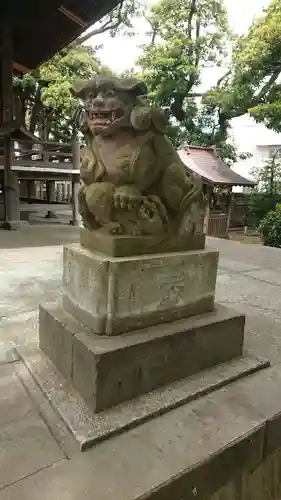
125, 246
109, 370
88, 429
26, 443
115, 295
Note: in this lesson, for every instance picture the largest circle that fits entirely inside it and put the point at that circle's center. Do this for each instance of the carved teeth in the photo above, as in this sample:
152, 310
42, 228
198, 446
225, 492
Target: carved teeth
105, 117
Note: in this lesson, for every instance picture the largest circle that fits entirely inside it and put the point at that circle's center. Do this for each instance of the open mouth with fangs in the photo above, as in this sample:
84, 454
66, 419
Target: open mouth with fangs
103, 117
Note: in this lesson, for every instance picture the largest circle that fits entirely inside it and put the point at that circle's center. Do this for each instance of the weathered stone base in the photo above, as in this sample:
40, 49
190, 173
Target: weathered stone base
109, 370
88, 428
114, 295
126, 246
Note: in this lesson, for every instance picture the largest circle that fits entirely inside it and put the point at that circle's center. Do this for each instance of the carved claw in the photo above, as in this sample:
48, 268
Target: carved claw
126, 202
116, 201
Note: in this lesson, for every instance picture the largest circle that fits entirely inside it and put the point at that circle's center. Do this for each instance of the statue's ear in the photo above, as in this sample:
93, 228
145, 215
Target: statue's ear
77, 89
133, 85
139, 88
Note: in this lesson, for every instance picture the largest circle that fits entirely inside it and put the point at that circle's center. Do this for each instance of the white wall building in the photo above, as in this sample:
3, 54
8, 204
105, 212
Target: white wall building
253, 138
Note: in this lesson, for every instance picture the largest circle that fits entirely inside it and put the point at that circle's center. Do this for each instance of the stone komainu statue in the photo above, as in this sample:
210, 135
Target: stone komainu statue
132, 179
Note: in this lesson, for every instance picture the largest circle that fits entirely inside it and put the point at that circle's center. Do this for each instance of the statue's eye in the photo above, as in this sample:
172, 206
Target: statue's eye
110, 93
90, 95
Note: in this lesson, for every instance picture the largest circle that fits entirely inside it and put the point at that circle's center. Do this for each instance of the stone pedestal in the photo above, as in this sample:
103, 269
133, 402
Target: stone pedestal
107, 371
129, 325
134, 337
112, 295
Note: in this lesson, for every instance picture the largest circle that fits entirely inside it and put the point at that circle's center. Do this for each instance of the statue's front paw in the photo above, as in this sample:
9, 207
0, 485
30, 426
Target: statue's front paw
121, 202
126, 202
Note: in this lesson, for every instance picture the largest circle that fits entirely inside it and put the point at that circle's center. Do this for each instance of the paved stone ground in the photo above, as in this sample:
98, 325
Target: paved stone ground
249, 279
30, 273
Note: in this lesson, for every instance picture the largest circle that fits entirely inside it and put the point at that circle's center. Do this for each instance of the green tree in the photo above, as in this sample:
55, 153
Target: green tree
268, 176
116, 21
270, 228
186, 37
252, 83
45, 96
267, 193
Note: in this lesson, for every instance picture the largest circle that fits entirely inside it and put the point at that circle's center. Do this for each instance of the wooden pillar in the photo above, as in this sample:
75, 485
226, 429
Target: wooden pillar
51, 198
230, 203
37, 190
75, 180
51, 191
41, 197
14, 200
208, 209
59, 192
31, 190
64, 192
48, 192
7, 115
68, 186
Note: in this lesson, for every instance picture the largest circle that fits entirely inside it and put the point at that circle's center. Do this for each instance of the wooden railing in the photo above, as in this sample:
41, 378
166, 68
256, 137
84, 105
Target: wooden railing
28, 153
217, 225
